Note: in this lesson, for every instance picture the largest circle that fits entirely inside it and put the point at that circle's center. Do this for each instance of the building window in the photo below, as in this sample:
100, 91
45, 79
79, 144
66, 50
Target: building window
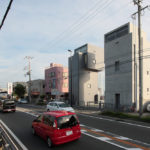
117, 65
65, 85
65, 75
117, 34
52, 74
89, 85
50, 84
147, 89
147, 72
54, 84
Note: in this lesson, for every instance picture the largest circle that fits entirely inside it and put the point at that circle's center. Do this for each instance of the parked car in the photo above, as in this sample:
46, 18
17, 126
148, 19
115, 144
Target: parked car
22, 101
7, 105
57, 105
57, 127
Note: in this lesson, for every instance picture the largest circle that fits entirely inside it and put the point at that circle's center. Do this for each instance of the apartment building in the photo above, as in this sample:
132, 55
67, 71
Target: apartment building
56, 81
121, 56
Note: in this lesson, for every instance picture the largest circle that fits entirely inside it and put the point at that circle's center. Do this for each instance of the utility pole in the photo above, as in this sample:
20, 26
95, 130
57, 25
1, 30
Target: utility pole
138, 3
29, 74
70, 51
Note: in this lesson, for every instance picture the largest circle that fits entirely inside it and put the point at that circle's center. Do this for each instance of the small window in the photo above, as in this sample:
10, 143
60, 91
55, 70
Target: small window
117, 65
48, 120
89, 85
147, 72
65, 74
65, 85
147, 89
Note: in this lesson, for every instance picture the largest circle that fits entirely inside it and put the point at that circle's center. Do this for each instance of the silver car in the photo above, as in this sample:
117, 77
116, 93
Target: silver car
54, 106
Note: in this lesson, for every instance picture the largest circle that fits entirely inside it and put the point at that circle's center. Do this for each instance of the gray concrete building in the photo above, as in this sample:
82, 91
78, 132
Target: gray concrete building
37, 89
84, 66
121, 58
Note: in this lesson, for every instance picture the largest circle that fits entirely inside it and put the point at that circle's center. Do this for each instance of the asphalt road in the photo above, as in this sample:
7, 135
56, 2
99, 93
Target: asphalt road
97, 133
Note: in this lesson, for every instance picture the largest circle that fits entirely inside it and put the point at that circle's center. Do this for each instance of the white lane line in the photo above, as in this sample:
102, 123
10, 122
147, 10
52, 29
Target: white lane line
104, 138
107, 141
97, 130
122, 138
14, 136
135, 149
137, 125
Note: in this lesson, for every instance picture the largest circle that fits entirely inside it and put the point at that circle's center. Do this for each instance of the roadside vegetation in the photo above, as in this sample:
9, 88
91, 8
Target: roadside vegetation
122, 115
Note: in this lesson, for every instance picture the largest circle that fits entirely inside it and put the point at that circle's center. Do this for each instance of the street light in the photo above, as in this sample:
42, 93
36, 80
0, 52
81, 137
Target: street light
70, 68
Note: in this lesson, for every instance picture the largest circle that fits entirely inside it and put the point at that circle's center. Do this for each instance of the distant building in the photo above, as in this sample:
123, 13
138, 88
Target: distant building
56, 81
84, 66
122, 67
37, 89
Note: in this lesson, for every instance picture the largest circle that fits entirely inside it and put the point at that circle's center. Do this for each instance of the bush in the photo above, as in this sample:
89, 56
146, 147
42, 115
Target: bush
126, 116
41, 102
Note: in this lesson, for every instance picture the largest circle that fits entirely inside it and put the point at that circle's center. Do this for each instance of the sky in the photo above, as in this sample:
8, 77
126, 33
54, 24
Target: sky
45, 30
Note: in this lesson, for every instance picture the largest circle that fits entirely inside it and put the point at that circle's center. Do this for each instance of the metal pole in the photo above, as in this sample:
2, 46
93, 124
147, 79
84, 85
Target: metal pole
29, 81
140, 62
29, 73
70, 76
135, 78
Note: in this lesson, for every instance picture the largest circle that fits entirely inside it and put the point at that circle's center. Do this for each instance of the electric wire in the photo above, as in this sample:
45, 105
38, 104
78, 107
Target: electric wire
6, 13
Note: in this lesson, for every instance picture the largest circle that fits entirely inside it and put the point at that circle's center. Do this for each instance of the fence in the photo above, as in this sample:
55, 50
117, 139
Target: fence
113, 107
102, 106
8, 141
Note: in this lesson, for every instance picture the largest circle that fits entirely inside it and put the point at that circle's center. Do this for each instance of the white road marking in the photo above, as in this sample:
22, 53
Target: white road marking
137, 125
122, 138
107, 141
135, 149
14, 136
104, 138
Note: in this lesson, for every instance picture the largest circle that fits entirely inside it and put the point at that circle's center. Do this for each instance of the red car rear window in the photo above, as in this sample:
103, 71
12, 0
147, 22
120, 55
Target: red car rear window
67, 121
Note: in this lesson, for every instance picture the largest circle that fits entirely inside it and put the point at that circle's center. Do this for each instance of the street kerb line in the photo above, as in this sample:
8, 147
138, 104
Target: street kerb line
14, 136
116, 139
137, 125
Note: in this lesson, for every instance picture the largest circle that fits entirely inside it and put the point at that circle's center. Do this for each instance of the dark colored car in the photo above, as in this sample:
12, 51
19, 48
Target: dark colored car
7, 105
57, 127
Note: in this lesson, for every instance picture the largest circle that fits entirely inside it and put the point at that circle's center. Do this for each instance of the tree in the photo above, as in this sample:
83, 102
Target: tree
20, 90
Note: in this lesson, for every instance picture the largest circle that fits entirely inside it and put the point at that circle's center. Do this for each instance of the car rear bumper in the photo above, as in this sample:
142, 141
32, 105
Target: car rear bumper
61, 140
8, 110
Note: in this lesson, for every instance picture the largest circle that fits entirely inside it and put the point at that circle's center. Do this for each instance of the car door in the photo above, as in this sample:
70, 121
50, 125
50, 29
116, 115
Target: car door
38, 124
55, 106
47, 126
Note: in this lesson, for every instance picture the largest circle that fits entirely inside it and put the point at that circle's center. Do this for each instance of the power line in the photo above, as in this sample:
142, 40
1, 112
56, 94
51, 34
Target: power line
71, 36
6, 13
77, 25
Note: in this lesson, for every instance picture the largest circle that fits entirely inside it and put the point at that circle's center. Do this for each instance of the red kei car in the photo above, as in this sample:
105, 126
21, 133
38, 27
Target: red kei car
57, 127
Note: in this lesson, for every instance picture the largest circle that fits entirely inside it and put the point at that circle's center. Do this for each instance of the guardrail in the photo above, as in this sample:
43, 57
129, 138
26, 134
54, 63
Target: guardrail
8, 141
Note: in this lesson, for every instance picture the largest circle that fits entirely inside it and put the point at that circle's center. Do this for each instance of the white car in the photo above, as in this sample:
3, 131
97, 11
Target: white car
54, 106
22, 101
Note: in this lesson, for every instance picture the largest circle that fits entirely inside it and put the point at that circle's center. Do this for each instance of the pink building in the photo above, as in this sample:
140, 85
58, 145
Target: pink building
56, 81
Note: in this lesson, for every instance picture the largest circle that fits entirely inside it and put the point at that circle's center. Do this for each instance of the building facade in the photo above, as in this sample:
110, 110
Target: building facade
122, 67
84, 66
37, 90
56, 81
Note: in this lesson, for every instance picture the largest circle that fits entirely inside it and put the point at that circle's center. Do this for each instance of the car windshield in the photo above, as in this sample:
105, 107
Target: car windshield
67, 121
8, 102
63, 105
